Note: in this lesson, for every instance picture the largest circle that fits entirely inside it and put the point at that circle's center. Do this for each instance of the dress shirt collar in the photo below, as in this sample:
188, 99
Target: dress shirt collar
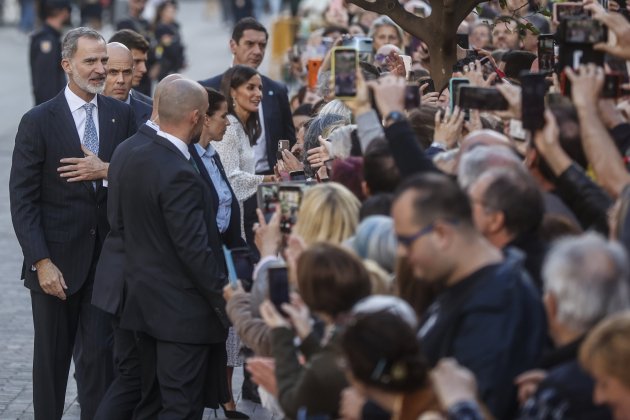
75, 102
128, 100
180, 144
208, 151
152, 125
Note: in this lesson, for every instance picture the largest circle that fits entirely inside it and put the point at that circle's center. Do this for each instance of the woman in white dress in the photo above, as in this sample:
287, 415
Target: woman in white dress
242, 86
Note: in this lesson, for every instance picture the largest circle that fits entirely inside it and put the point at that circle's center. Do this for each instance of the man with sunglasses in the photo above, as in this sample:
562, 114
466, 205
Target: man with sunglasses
487, 313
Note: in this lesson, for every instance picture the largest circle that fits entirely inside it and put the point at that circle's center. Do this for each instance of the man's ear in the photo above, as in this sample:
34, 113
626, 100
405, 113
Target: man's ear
496, 221
365, 189
65, 65
233, 45
531, 158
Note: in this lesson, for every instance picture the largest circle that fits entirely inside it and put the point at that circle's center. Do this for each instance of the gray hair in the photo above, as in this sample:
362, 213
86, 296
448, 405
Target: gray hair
324, 85
481, 158
337, 107
71, 40
589, 278
341, 141
318, 127
375, 240
386, 21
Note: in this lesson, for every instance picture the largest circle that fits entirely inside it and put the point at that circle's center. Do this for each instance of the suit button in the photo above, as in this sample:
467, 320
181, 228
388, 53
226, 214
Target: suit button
92, 232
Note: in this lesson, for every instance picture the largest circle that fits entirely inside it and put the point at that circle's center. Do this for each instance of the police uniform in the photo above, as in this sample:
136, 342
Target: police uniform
45, 59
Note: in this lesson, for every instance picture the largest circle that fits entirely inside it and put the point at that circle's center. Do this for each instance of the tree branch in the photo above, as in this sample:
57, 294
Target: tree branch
464, 8
409, 22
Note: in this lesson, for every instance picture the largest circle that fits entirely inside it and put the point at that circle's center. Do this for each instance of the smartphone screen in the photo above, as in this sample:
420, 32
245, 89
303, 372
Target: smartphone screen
278, 287
312, 66
534, 89
484, 99
412, 96
546, 53
454, 85
612, 86
243, 265
267, 199
345, 72
290, 200
562, 11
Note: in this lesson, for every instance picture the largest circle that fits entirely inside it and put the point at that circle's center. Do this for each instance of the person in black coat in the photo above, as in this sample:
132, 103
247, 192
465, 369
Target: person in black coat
59, 217
174, 266
47, 75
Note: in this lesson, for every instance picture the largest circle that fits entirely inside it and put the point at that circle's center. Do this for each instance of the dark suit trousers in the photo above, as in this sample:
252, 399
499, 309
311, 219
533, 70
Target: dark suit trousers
123, 394
57, 323
173, 379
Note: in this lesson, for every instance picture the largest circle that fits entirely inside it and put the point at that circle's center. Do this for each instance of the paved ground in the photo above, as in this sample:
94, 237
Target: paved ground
208, 54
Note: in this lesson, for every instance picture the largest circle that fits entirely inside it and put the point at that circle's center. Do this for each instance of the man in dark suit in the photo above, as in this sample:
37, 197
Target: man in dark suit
124, 393
174, 266
47, 76
139, 47
119, 80
60, 221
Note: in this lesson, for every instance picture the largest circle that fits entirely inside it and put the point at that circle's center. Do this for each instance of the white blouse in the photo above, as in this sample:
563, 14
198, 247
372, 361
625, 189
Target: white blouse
237, 156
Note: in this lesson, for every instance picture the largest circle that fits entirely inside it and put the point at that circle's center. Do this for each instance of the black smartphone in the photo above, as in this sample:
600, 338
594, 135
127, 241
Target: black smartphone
431, 85
244, 266
546, 53
462, 41
612, 86
278, 287
282, 145
267, 199
412, 96
454, 85
344, 72
533, 91
483, 99
297, 176
290, 197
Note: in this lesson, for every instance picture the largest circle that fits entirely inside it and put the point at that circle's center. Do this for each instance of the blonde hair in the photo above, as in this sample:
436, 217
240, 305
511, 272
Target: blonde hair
329, 213
607, 348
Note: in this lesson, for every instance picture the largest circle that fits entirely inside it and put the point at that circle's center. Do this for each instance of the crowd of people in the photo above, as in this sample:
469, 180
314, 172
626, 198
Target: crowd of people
396, 253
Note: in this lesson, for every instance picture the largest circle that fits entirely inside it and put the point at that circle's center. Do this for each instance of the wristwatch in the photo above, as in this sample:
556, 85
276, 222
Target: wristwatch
394, 117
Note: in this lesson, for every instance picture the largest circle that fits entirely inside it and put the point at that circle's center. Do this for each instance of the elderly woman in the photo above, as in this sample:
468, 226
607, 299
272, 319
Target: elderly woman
385, 31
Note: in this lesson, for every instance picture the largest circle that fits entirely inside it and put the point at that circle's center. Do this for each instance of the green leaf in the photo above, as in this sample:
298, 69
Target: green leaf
545, 12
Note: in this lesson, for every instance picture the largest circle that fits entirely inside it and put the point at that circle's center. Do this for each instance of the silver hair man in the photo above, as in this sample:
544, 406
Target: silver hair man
588, 278
481, 158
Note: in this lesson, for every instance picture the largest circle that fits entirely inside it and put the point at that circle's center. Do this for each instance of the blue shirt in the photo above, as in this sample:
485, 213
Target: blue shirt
208, 157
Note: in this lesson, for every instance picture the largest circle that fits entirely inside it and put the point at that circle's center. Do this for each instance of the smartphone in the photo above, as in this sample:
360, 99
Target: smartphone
483, 99
297, 176
282, 145
431, 86
312, 67
278, 287
412, 96
244, 266
453, 87
516, 130
290, 197
232, 276
267, 199
363, 45
344, 72
546, 53
533, 91
612, 86
462, 41
564, 10
580, 30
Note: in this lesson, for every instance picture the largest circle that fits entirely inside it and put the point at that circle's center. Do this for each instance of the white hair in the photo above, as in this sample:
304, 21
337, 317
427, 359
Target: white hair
341, 141
589, 277
481, 158
337, 107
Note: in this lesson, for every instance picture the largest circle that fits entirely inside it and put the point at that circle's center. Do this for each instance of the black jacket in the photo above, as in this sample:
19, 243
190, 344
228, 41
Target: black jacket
174, 265
141, 110
406, 151
494, 324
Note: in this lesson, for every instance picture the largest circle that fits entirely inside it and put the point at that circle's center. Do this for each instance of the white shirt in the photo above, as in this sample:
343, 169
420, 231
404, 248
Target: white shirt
78, 113
181, 146
153, 125
260, 148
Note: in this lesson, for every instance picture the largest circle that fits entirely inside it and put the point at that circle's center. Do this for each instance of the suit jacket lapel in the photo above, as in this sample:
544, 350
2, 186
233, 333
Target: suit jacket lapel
205, 175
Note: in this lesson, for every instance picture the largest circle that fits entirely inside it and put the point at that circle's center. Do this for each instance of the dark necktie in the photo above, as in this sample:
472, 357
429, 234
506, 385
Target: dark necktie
194, 164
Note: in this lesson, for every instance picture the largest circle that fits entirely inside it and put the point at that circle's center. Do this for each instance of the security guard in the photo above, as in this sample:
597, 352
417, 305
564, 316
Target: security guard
45, 53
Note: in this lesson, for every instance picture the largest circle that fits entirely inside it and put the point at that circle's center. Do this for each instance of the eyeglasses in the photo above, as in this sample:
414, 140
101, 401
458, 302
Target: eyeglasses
407, 241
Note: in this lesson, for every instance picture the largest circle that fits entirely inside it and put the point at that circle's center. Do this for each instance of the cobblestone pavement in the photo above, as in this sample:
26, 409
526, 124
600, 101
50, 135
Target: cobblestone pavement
208, 54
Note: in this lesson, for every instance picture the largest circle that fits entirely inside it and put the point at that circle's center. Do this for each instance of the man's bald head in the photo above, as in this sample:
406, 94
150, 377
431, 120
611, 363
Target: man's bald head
160, 87
180, 99
119, 71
